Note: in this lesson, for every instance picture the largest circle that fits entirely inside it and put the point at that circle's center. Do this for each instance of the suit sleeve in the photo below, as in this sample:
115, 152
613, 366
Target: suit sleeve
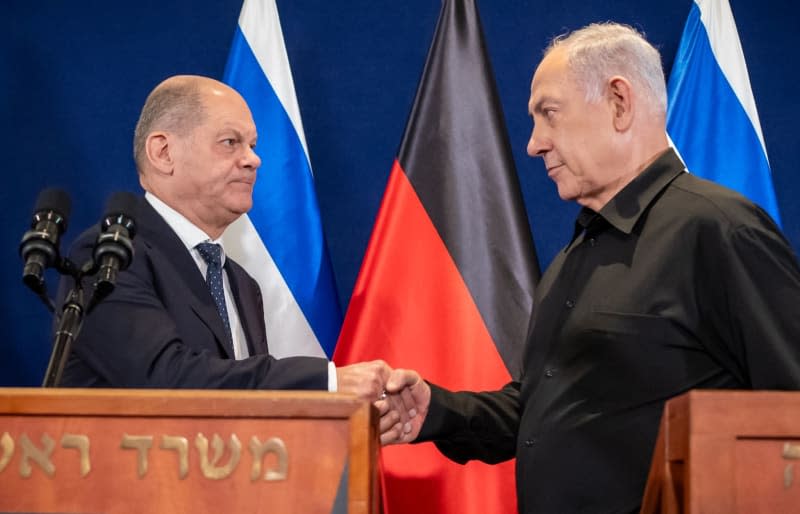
131, 339
466, 425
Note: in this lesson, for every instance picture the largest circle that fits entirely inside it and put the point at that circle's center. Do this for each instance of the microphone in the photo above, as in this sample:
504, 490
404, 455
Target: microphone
39, 246
113, 250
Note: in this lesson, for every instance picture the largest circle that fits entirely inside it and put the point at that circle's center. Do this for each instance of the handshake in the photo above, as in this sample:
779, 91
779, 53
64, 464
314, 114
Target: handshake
400, 395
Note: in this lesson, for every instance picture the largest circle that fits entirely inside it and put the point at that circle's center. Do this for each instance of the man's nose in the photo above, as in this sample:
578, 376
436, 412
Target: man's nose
537, 145
251, 159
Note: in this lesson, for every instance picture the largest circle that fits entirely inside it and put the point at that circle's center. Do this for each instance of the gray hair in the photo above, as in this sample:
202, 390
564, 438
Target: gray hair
174, 106
599, 51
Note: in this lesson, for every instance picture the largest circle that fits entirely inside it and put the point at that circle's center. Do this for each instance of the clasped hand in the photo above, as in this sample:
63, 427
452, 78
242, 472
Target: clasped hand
400, 395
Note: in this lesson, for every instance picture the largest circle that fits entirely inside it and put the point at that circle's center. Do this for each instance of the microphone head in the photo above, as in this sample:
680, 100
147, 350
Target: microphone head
39, 246
55, 200
121, 209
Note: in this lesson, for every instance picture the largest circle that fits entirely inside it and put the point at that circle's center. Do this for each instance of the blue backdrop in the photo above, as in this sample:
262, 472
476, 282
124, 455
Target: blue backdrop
73, 76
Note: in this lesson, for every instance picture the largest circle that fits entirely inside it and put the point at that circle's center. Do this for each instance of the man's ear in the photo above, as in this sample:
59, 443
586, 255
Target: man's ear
159, 152
621, 100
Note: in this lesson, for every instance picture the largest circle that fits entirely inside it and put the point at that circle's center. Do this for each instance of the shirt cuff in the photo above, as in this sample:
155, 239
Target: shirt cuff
332, 385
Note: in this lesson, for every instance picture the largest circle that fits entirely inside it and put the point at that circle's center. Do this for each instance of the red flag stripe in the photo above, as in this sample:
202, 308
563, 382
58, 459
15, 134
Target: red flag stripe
419, 480
410, 305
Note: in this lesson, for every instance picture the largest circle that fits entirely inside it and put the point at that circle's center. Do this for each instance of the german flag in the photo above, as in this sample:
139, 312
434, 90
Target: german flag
446, 285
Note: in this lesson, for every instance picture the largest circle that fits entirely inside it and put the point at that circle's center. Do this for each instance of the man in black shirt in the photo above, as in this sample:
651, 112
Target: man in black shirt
669, 283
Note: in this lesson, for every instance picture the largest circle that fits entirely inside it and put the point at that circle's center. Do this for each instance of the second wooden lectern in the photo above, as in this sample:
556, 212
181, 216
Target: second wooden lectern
727, 452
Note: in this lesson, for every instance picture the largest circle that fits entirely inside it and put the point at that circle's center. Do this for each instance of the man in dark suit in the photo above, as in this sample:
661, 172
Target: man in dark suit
669, 283
182, 315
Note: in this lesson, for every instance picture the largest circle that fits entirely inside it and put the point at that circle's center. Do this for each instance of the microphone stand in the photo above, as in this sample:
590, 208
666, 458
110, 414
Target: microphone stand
68, 327
70, 322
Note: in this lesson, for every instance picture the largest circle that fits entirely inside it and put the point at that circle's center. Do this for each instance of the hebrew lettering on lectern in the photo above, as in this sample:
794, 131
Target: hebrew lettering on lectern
213, 464
180, 445
273, 445
41, 456
80, 443
7, 446
142, 444
210, 468
790, 452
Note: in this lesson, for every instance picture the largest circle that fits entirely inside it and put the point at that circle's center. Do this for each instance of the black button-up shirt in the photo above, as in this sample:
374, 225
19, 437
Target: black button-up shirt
675, 284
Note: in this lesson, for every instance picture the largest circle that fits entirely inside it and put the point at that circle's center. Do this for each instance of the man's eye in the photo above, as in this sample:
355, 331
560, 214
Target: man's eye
229, 142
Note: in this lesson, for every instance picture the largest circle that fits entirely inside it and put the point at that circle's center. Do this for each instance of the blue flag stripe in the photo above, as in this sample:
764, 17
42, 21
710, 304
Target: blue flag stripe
708, 124
285, 211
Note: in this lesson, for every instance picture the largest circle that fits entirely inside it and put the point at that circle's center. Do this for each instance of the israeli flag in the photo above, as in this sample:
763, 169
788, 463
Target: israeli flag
280, 242
711, 114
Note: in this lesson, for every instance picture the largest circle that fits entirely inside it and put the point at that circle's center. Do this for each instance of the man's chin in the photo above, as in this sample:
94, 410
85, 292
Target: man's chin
240, 203
565, 193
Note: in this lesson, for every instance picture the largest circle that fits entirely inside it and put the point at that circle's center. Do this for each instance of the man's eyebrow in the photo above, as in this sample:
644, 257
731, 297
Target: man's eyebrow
537, 107
230, 129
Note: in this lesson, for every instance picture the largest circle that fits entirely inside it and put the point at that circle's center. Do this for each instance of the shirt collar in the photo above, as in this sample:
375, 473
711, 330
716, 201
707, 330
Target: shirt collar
190, 234
626, 207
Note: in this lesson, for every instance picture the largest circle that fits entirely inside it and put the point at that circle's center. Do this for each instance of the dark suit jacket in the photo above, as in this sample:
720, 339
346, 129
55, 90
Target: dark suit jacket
160, 327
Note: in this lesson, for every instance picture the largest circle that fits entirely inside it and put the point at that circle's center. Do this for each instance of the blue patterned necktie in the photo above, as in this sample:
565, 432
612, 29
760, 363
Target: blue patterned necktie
212, 254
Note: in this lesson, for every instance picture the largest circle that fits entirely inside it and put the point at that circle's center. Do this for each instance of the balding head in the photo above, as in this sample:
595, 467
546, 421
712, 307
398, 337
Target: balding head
175, 105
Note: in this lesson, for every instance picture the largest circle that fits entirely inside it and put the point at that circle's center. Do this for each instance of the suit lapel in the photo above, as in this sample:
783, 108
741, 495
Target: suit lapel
250, 307
164, 240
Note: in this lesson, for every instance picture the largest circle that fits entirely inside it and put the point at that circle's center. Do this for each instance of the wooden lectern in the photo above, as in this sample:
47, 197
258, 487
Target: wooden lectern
727, 452
102, 451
